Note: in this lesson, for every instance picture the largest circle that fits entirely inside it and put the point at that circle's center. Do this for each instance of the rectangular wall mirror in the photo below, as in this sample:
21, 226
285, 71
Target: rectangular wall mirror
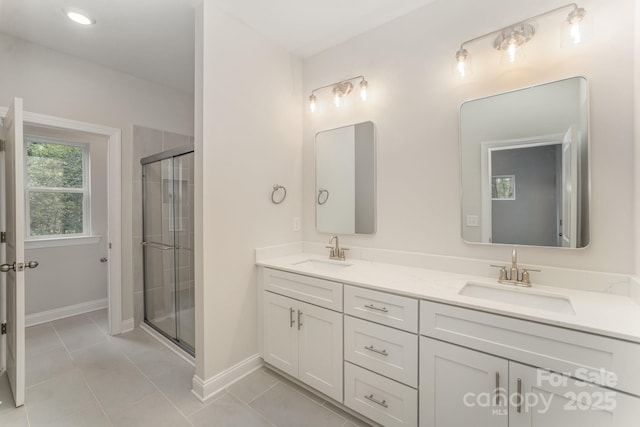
345, 196
525, 166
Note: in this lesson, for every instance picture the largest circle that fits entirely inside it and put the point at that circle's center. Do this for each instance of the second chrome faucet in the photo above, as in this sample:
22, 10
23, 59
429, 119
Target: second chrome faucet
512, 276
336, 252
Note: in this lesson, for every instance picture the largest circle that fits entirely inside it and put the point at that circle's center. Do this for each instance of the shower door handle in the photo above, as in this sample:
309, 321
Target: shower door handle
157, 245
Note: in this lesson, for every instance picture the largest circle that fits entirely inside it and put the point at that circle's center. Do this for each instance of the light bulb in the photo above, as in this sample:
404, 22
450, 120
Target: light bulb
511, 51
312, 103
363, 89
576, 20
337, 100
461, 62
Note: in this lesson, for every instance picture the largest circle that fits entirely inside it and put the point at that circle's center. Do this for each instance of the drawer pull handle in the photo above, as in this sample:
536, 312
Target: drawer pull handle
497, 389
299, 321
519, 393
375, 350
291, 321
382, 403
373, 307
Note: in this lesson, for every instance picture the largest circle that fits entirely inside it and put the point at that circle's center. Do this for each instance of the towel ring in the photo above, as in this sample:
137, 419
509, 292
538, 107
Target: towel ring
323, 190
276, 188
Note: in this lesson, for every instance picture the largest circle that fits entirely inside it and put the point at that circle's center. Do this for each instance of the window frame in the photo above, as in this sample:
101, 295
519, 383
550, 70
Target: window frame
85, 190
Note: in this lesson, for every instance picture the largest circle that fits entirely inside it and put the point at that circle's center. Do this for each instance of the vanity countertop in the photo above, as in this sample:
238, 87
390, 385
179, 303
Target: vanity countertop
599, 313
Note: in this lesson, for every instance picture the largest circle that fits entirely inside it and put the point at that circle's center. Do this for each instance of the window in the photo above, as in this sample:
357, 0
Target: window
56, 188
503, 187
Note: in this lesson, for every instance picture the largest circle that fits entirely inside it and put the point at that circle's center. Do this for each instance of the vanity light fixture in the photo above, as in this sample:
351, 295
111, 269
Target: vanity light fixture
511, 38
78, 17
340, 90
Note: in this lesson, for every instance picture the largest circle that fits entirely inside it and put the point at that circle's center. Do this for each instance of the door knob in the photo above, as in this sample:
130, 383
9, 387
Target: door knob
6, 267
103, 259
32, 264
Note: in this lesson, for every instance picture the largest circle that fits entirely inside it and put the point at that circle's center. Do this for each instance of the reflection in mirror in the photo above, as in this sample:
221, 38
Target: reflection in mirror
345, 180
525, 166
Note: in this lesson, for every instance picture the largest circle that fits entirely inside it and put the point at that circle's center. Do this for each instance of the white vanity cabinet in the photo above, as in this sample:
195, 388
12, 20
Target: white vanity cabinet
500, 384
381, 356
302, 339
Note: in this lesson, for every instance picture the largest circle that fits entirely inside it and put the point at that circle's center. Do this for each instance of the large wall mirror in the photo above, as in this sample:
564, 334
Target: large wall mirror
345, 196
525, 166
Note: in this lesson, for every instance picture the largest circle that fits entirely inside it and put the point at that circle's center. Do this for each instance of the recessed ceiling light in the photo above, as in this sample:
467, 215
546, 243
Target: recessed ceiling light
78, 17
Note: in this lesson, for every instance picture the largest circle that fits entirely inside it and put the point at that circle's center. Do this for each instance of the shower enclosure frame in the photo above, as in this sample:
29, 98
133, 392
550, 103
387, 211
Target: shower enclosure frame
159, 157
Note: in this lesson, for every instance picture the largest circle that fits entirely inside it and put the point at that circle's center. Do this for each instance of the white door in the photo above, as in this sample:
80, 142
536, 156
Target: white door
568, 237
13, 263
280, 332
552, 400
461, 387
320, 349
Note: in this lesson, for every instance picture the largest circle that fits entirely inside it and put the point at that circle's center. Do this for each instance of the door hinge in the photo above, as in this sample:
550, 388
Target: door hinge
3, 237
1, 145
3, 329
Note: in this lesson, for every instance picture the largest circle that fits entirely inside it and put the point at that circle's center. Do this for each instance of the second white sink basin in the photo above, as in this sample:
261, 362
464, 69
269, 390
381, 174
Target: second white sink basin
518, 296
321, 265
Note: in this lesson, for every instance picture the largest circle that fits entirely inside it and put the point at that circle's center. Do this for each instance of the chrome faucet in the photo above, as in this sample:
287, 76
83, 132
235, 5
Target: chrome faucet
513, 276
336, 251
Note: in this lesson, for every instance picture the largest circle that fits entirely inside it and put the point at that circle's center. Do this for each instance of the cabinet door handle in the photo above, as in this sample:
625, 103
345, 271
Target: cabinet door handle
291, 321
519, 392
382, 403
375, 350
497, 389
373, 307
299, 322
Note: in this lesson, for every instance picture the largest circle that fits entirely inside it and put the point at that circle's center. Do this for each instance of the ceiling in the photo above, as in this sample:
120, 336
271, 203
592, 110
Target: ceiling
154, 39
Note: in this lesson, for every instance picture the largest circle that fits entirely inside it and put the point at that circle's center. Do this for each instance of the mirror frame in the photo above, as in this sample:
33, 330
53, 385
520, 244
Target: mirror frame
589, 207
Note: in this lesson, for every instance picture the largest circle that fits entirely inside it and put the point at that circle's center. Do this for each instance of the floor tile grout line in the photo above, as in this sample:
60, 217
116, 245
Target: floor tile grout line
260, 394
297, 389
252, 409
97, 401
158, 389
218, 395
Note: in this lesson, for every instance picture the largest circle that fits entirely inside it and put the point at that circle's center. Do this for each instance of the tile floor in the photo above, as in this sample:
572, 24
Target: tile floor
77, 375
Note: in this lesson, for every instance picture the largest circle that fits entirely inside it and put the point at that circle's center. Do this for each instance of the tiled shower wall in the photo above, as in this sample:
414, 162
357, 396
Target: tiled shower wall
146, 142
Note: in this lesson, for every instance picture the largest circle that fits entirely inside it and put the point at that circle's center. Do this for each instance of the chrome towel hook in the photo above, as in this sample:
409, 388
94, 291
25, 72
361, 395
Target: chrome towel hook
321, 200
274, 198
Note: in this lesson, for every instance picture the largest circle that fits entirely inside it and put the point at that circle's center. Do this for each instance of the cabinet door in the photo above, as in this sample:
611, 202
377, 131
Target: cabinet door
461, 387
320, 349
280, 332
543, 399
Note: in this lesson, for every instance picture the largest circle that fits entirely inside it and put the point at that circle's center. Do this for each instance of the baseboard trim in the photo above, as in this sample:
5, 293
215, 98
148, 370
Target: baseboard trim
203, 390
127, 325
68, 311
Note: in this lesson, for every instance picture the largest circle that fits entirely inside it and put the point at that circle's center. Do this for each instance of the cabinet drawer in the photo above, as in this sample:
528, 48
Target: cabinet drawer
379, 398
604, 361
385, 350
323, 293
381, 307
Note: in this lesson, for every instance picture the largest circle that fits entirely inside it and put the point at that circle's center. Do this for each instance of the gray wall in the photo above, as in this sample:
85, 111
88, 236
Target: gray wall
532, 218
365, 177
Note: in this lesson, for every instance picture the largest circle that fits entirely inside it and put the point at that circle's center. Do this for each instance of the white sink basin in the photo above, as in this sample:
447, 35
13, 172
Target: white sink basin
321, 265
518, 296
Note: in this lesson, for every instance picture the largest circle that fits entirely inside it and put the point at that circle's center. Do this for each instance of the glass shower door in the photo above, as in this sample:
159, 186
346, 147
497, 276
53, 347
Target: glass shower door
158, 247
183, 237
169, 285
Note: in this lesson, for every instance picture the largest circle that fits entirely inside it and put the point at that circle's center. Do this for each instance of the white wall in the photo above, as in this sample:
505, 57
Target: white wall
60, 85
636, 121
248, 138
415, 100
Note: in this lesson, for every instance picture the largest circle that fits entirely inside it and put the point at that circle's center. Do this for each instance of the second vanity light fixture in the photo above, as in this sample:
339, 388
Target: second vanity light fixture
340, 90
509, 39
